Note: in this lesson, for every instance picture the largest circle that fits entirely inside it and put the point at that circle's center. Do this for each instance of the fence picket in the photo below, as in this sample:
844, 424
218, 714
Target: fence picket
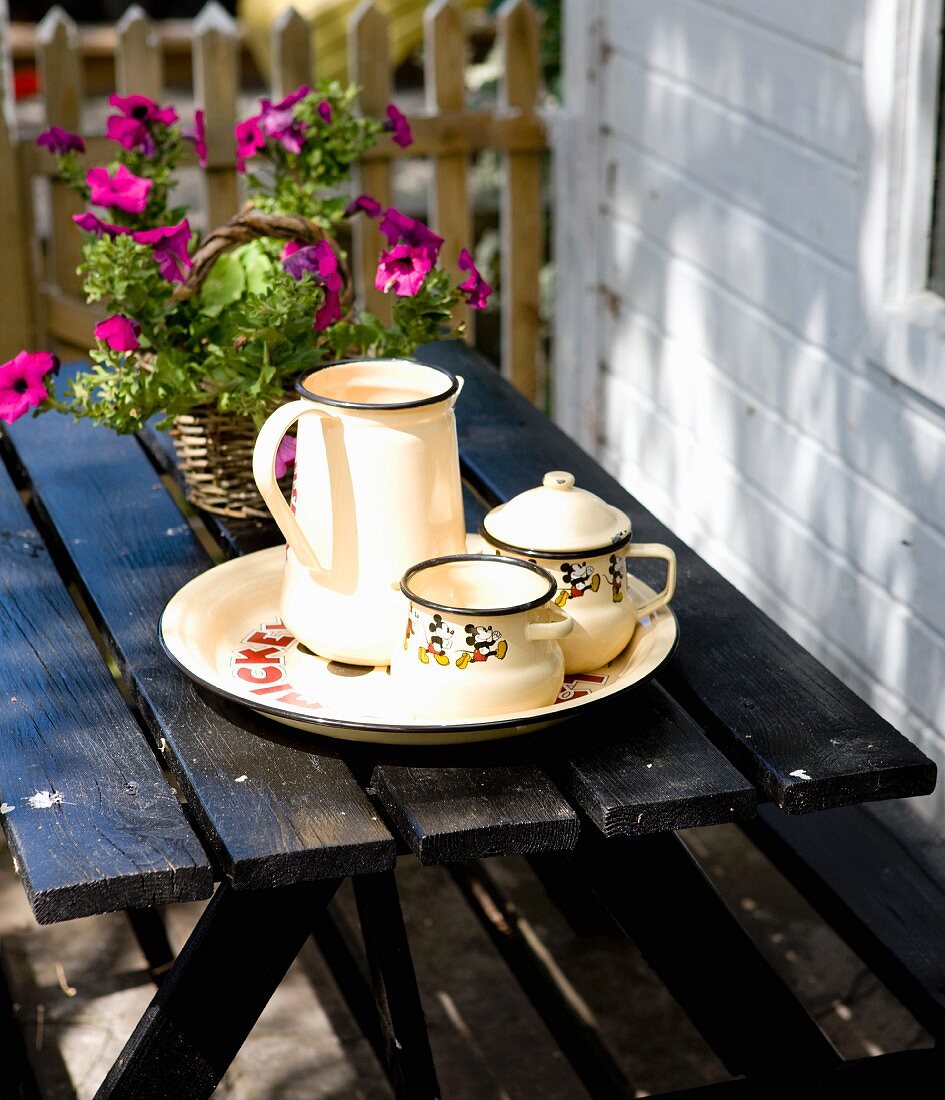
216, 88
17, 320
369, 66
293, 61
61, 79
139, 60
444, 50
521, 209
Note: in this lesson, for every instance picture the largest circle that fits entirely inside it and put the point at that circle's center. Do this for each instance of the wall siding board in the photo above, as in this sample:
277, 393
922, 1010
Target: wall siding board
731, 159
898, 445
801, 93
790, 185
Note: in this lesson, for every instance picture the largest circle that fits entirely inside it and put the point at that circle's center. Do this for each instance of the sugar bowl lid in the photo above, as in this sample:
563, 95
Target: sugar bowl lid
556, 518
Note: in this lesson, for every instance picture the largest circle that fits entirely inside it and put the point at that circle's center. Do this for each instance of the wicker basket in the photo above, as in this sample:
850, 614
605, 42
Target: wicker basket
214, 449
215, 458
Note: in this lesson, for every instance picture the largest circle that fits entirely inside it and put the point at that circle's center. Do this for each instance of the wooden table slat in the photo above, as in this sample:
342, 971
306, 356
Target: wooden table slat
783, 719
299, 815
91, 821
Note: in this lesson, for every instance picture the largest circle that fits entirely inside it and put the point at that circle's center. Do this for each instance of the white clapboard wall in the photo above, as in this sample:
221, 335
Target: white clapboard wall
743, 194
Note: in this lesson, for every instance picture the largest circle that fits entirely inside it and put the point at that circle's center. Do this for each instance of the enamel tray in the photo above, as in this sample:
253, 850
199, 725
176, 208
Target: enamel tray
223, 630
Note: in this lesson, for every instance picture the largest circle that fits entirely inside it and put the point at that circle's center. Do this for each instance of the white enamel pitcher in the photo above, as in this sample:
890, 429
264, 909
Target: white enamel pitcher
376, 489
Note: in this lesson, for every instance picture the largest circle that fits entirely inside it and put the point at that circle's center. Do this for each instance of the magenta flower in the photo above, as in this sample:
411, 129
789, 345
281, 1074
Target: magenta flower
133, 127
278, 121
476, 288
22, 385
324, 112
123, 191
60, 141
398, 227
120, 333
249, 140
366, 205
169, 248
320, 261
398, 127
285, 455
402, 270
198, 135
92, 224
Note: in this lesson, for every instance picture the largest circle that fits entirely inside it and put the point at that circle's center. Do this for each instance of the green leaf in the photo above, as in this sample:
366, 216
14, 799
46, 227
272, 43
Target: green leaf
257, 267
224, 285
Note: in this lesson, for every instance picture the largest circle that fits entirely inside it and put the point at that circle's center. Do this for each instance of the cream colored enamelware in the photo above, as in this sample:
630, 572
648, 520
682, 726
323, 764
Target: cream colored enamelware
585, 543
223, 629
376, 489
480, 636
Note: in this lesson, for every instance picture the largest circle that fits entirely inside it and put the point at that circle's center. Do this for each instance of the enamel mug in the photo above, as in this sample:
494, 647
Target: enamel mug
585, 543
376, 488
480, 636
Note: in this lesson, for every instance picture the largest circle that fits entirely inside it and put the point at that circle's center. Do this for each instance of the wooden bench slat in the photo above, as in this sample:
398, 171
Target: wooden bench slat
104, 830
783, 719
877, 874
299, 815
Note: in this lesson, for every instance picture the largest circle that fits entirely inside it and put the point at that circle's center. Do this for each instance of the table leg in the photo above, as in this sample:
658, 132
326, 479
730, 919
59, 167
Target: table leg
408, 1058
151, 934
662, 900
212, 996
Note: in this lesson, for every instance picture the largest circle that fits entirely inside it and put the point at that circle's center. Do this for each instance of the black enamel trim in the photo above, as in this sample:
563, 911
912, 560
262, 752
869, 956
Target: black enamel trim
479, 612
555, 555
419, 403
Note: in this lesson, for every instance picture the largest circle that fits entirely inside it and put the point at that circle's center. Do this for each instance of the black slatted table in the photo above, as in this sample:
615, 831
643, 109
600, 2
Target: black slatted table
741, 715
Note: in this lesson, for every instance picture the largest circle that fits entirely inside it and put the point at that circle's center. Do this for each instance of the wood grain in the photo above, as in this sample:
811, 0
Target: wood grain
299, 814
92, 824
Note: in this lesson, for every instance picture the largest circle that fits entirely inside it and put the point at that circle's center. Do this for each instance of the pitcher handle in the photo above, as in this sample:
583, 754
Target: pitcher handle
264, 471
655, 550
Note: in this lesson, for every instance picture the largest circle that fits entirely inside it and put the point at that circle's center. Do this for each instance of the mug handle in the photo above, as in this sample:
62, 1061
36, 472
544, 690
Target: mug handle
656, 550
264, 471
559, 627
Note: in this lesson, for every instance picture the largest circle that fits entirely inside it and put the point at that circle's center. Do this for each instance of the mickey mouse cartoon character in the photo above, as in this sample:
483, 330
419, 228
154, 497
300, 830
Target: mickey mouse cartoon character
483, 642
578, 578
618, 572
439, 639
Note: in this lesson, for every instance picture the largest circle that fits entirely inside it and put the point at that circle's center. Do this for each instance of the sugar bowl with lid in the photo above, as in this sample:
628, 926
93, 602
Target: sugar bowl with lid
584, 543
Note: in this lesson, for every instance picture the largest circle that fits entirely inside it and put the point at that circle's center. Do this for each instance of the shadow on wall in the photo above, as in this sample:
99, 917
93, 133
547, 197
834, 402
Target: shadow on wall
738, 401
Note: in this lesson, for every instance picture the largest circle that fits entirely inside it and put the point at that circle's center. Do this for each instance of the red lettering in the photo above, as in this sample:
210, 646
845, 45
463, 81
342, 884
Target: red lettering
268, 656
295, 700
263, 637
266, 674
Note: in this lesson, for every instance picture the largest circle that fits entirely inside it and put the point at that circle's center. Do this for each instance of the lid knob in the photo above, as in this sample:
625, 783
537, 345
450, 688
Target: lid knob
558, 479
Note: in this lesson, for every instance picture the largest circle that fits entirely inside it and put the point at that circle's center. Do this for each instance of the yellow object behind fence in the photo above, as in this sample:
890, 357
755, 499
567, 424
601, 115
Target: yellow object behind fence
329, 19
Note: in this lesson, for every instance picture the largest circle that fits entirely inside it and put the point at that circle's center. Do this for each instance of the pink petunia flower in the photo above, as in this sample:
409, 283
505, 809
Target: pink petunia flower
399, 227
324, 112
119, 332
123, 191
476, 288
60, 141
278, 121
169, 249
402, 270
249, 140
198, 135
133, 127
92, 224
22, 383
320, 261
398, 127
366, 205
285, 455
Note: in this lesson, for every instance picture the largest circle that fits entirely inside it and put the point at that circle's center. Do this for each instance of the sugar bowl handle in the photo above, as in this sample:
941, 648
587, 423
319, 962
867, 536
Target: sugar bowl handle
655, 550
